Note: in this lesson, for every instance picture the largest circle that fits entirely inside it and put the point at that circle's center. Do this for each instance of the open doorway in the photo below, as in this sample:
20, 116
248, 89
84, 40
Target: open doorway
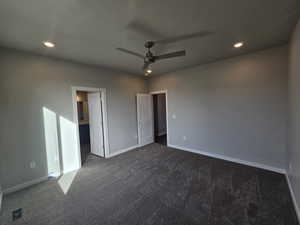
90, 115
84, 124
159, 117
152, 118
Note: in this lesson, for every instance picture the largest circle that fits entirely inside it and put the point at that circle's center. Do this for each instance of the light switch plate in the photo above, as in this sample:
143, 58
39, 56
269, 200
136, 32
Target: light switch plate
32, 164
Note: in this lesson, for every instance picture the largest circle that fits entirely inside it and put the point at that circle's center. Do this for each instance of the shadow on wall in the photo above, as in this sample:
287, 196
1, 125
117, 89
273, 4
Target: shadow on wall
61, 148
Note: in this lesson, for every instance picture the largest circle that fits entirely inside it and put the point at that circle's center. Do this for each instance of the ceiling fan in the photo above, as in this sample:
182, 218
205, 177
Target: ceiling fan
150, 58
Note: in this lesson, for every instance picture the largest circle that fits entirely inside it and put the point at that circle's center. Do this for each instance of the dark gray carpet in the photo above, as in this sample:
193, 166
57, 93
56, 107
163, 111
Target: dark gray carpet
158, 185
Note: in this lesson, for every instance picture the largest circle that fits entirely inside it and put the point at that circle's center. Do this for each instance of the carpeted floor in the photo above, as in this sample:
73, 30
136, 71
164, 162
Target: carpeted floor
156, 185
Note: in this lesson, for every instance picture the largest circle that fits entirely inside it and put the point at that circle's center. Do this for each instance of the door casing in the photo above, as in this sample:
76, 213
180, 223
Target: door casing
167, 113
104, 115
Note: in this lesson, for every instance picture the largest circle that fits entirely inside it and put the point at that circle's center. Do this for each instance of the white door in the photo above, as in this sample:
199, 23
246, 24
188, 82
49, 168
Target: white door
145, 119
96, 123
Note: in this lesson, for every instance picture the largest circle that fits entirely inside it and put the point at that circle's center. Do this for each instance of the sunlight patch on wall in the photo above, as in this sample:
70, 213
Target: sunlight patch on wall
51, 140
65, 155
69, 145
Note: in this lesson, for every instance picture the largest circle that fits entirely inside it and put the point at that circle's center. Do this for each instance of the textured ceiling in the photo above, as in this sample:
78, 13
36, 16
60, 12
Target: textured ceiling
88, 31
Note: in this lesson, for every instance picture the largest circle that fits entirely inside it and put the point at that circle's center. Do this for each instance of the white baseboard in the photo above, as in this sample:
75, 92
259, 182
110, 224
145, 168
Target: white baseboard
293, 196
240, 161
122, 151
55, 175
24, 185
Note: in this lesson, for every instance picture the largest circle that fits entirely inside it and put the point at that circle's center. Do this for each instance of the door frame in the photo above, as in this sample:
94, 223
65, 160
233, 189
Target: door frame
104, 115
167, 109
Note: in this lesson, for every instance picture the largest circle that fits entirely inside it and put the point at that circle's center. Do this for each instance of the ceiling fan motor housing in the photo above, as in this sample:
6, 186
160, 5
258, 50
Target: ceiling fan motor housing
149, 57
149, 44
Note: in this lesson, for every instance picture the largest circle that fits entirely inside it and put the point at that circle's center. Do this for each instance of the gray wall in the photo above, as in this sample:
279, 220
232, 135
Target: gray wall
294, 114
236, 107
29, 83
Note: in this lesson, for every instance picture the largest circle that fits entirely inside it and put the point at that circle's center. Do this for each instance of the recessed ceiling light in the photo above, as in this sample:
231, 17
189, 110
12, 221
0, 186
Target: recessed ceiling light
238, 44
49, 44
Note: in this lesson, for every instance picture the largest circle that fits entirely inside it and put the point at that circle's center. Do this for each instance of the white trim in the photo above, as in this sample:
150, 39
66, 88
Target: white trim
167, 110
231, 159
1, 196
122, 151
87, 89
104, 111
293, 196
158, 92
24, 185
75, 116
55, 175
105, 121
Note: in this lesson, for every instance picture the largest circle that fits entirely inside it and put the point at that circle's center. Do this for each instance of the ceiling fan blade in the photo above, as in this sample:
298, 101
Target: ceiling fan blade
145, 66
183, 37
170, 55
131, 52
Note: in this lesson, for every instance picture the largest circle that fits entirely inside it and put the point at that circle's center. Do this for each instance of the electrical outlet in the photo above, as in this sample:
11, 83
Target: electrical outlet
17, 214
32, 164
184, 138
